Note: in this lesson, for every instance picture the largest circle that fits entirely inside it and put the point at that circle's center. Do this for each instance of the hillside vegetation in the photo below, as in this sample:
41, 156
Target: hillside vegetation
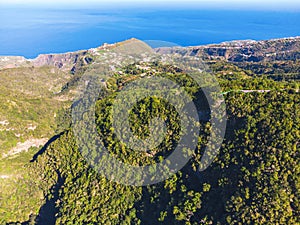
29, 110
254, 179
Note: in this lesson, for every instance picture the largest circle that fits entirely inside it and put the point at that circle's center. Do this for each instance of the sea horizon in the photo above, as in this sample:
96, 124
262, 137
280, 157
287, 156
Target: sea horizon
31, 32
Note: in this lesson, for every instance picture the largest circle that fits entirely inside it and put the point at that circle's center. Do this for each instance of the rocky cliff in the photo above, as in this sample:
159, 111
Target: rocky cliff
64, 61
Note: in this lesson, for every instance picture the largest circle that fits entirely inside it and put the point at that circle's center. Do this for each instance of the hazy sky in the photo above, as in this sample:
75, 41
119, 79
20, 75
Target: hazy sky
228, 4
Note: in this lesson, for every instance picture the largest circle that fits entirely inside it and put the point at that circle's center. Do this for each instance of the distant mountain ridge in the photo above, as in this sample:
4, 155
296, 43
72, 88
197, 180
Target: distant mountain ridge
244, 51
233, 51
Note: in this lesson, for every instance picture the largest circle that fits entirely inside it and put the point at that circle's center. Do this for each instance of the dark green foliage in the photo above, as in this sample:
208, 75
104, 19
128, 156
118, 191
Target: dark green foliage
254, 180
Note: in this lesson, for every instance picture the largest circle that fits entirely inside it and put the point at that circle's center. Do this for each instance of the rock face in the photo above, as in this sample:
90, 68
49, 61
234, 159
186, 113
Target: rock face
244, 51
65, 61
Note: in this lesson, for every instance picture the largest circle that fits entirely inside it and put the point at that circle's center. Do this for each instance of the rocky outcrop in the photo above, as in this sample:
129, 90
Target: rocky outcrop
65, 61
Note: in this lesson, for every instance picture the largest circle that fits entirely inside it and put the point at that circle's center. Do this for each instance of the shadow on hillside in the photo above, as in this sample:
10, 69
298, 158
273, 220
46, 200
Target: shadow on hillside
44, 148
47, 213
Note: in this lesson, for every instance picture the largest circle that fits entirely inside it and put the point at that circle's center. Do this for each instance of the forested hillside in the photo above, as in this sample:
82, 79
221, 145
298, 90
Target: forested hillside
255, 178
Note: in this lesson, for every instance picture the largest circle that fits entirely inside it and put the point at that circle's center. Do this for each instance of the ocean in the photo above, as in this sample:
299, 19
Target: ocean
29, 32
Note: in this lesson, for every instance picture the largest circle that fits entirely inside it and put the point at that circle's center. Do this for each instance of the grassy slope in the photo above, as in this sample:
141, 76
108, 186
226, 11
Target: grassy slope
29, 106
